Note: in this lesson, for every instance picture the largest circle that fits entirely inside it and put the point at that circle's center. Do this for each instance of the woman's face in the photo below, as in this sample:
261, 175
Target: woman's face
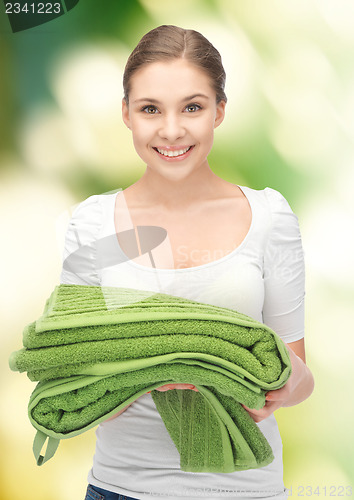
172, 114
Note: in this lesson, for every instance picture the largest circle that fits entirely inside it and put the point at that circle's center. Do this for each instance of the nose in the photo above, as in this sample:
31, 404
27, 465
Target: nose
172, 127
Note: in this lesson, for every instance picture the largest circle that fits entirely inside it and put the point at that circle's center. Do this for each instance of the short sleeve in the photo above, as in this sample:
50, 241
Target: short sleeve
80, 249
284, 271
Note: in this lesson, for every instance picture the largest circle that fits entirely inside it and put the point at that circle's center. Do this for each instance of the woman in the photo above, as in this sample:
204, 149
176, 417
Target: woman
225, 245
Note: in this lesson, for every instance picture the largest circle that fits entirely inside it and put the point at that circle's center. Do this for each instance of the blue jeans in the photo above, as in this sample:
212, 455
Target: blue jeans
95, 493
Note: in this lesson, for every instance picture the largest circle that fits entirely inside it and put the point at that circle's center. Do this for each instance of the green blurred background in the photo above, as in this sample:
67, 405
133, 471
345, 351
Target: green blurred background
289, 125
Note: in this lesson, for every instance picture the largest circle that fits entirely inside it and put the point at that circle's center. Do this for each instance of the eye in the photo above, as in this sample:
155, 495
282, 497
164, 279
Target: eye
150, 109
192, 108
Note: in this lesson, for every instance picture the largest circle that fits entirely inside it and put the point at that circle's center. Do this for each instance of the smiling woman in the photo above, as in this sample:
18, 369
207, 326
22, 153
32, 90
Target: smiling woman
174, 124
231, 246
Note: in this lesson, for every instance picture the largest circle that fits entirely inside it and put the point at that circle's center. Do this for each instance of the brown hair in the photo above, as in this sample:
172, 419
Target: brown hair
171, 42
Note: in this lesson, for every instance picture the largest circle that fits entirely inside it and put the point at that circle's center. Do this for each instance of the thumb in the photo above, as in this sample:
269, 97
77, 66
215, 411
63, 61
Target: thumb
274, 395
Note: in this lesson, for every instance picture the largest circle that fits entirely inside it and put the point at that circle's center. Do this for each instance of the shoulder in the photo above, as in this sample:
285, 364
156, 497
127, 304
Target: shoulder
271, 206
82, 233
85, 221
87, 218
276, 221
91, 210
277, 203
284, 222
268, 198
283, 230
83, 209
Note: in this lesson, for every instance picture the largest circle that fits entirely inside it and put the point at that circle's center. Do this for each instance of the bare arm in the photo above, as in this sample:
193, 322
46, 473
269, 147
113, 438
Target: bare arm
302, 384
298, 388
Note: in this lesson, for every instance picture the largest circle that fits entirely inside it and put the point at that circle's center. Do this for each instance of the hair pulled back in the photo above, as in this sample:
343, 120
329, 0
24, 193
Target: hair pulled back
168, 42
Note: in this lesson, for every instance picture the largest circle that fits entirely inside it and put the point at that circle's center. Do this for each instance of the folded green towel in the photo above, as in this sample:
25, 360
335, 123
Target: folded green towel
96, 349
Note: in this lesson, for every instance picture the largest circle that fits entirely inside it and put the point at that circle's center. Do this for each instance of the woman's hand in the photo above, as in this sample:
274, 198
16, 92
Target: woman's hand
274, 401
169, 387
298, 388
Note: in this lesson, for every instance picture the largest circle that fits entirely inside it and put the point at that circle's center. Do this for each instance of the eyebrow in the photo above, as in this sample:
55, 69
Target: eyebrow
155, 101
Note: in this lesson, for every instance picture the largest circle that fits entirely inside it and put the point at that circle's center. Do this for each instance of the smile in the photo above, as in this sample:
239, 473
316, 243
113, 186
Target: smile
173, 153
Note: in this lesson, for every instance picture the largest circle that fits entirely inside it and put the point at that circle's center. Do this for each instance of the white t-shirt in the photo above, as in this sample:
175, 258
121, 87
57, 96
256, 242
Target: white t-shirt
263, 278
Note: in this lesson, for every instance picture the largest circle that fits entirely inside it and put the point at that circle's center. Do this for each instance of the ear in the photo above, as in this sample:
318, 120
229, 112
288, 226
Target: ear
125, 113
220, 113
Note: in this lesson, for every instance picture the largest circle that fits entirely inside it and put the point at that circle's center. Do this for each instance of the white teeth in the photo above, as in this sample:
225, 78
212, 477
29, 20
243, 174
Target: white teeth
173, 153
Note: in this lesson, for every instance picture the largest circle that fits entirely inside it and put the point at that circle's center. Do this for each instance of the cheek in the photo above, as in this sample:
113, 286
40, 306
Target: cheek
205, 125
206, 131
141, 132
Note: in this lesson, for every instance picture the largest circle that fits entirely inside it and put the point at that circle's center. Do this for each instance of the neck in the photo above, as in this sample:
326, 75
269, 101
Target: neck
155, 189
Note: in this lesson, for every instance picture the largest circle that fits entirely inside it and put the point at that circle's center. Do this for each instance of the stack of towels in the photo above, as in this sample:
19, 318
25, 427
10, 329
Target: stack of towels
96, 349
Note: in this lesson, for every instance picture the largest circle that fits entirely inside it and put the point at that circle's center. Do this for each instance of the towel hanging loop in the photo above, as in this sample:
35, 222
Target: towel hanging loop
38, 444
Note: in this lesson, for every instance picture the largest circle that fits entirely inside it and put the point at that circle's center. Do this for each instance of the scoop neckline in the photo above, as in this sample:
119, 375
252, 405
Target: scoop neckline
194, 268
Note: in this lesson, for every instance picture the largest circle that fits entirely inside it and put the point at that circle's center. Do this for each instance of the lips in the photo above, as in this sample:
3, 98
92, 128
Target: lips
173, 151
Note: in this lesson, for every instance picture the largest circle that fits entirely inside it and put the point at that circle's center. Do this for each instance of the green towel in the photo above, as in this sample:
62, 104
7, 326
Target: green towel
96, 349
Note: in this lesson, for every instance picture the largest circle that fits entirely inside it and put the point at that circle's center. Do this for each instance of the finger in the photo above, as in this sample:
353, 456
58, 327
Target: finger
280, 395
265, 412
269, 396
163, 388
274, 395
168, 387
183, 386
